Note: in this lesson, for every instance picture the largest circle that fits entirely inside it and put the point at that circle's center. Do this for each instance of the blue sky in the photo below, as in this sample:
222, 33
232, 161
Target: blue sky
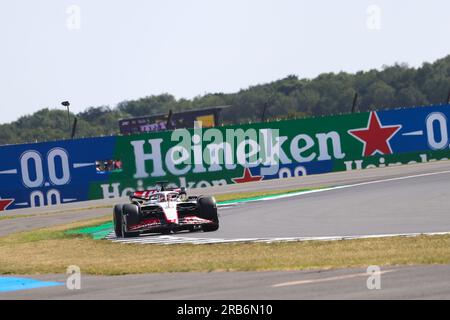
98, 52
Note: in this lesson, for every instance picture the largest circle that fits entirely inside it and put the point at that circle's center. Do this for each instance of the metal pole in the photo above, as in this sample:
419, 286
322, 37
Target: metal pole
264, 112
169, 120
68, 116
67, 104
74, 127
266, 105
355, 100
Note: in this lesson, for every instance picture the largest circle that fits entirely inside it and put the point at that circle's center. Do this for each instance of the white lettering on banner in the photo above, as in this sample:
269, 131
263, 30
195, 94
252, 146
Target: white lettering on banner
297, 151
27, 158
115, 193
221, 182
203, 184
283, 158
441, 120
323, 146
300, 171
198, 154
34, 159
284, 173
65, 169
172, 161
141, 157
127, 191
247, 159
183, 183
53, 197
37, 199
273, 153
204, 151
217, 152
270, 165
114, 190
359, 164
253, 148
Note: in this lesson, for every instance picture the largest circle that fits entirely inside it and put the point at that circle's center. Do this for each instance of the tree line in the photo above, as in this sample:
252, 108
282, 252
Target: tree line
292, 97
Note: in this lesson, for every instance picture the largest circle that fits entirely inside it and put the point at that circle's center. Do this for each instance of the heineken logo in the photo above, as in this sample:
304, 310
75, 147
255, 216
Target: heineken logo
211, 150
375, 136
219, 156
50, 173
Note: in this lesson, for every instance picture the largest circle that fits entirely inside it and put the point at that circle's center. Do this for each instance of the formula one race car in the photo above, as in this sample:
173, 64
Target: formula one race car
164, 210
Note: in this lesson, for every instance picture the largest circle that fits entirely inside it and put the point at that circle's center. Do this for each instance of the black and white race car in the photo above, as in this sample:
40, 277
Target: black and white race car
164, 211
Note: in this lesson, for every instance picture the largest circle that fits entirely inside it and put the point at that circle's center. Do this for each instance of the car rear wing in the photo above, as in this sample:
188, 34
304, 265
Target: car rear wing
143, 195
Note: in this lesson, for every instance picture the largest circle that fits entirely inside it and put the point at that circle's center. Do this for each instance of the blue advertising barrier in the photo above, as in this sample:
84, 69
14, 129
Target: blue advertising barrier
58, 172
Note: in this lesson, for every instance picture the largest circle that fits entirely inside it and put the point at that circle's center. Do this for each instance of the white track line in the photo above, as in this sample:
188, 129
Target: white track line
300, 193
295, 194
337, 278
187, 240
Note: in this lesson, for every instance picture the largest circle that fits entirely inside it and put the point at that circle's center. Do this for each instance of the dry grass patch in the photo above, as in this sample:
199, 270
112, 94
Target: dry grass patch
51, 251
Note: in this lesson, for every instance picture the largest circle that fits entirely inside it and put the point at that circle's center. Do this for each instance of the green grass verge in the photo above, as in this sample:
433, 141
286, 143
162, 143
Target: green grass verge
249, 196
51, 250
18, 216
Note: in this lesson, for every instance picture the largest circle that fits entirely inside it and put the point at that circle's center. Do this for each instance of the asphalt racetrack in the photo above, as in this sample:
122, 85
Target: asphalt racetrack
417, 282
412, 198
415, 204
412, 205
396, 200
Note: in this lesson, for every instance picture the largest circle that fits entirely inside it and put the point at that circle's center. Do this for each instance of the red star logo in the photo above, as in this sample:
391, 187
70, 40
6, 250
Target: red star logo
5, 203
376, 136
247, 177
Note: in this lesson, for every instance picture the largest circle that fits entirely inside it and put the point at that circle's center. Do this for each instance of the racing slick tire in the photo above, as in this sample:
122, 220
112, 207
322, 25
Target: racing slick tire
117, 218
208, 210
130, 214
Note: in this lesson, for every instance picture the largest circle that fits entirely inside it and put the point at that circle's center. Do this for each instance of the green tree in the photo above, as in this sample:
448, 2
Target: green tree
290, 97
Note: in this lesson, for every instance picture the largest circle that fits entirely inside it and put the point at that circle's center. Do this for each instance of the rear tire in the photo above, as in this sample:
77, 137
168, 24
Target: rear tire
208, 210
117, 220
130, 214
